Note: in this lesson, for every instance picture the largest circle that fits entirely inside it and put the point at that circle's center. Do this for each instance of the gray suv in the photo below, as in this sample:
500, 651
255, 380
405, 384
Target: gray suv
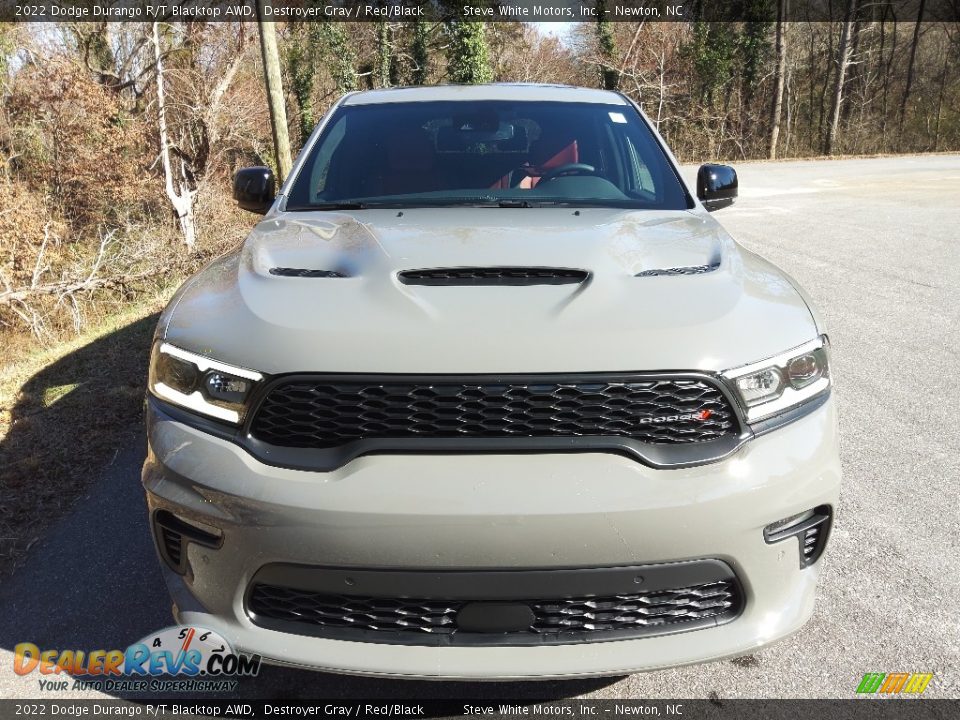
488, 393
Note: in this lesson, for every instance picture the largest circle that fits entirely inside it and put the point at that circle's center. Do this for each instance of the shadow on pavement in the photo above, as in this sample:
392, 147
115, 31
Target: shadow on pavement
91, 581
72, 456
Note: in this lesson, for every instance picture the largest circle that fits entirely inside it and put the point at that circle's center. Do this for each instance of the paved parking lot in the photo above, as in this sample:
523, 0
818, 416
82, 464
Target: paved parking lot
876, 244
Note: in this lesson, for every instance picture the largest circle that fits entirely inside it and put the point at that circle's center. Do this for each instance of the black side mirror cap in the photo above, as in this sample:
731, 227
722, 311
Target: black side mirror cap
716, 186
254, 189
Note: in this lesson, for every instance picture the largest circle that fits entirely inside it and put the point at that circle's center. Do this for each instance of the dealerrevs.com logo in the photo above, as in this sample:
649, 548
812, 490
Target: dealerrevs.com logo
197, 660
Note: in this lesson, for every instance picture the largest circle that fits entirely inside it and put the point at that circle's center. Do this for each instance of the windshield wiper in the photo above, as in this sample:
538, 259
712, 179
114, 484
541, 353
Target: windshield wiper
336, 206
518, 203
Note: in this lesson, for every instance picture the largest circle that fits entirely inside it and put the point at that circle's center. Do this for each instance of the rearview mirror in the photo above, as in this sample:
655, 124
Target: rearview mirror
253, 189
716, 186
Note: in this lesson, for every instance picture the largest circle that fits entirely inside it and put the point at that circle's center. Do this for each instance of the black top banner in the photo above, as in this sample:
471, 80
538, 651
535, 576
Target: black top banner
476, 10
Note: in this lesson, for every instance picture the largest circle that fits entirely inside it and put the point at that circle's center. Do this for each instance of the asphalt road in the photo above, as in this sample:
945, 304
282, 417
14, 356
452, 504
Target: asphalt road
875, 242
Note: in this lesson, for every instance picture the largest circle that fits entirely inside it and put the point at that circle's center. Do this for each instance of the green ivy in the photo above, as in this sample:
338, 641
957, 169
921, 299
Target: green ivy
340, 55
420, 53
467, 62
300, 64
383, 69
609, 78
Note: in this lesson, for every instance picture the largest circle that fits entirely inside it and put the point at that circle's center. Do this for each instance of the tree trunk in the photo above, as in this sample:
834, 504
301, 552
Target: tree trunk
781, 49
302, 64
188, 224
943, 82
468, 55
913, 57
278, 111
662, 88
182, 199
853, 74
889, 71
790, 103
383, 67
811, 96
420, 53
825, 84
883, 90
607, 50
843, 62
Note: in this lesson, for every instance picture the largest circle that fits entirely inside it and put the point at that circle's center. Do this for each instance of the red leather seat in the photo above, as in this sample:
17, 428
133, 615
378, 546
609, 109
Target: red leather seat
548, 153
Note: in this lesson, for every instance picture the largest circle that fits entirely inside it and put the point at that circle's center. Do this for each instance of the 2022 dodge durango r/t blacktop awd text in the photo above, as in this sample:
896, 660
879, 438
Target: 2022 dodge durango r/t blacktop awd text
488, 393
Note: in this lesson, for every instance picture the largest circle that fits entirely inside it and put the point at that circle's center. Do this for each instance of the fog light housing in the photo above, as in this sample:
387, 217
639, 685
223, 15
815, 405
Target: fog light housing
811, 528
173, 534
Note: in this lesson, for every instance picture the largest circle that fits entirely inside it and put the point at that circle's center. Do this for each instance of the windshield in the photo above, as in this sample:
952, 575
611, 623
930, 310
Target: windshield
501, 154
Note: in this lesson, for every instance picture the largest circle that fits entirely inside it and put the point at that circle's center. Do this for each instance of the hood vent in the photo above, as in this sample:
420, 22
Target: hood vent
689, 270
494, 276
305, 273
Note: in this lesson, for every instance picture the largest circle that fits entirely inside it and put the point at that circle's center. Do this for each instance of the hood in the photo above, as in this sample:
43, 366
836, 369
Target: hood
322, 292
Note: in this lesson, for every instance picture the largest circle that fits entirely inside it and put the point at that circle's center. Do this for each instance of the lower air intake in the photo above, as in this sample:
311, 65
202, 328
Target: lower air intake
173, 535
446, 621
172, 546
811, 529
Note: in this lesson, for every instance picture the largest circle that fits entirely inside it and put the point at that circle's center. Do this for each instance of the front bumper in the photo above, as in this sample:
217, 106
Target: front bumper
494, 512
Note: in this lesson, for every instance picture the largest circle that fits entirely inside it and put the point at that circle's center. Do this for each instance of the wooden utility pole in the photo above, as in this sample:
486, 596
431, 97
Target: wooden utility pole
271, 74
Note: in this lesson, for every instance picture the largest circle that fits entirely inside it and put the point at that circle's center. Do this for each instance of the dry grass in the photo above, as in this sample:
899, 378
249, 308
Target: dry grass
62, 410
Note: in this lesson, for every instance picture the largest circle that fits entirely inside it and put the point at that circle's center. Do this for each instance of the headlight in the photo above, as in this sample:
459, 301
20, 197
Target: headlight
200, 384
772, 386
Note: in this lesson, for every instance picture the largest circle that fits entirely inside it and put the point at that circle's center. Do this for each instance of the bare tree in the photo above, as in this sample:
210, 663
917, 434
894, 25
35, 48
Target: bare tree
910, 65
779, 73
179, 190
186, 143
843, 62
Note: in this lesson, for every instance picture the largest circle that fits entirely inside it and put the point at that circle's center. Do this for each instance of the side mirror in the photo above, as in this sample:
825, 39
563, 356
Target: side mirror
253, 189
716, 186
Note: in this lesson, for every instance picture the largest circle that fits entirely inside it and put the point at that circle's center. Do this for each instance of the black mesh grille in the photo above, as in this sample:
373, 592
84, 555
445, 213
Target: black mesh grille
626, 612
320, 413
304, 273
493, 276
630, 614
689, 270
361, 613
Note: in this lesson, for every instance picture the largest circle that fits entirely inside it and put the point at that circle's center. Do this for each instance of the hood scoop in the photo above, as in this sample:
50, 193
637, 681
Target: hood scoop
688, 270
493, 276
305, 273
